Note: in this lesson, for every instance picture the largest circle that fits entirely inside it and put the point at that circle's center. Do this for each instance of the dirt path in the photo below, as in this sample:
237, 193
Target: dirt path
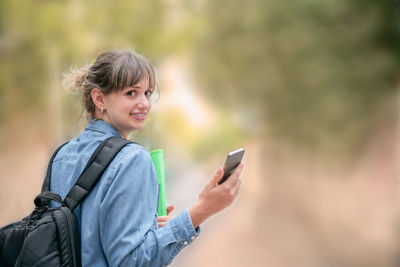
300, 212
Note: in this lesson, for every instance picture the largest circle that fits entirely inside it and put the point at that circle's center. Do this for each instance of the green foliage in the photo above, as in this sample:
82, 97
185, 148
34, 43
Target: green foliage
316, 73
321, 71
40, 39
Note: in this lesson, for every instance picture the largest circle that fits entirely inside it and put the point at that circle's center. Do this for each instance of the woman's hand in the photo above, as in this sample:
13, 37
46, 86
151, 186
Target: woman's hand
215, 197
162, 220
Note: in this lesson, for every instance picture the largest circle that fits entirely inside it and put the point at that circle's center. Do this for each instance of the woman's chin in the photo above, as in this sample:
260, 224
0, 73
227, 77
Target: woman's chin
136, 127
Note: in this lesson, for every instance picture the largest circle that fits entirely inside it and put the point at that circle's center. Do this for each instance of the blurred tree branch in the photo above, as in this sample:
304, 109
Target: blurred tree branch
322, 72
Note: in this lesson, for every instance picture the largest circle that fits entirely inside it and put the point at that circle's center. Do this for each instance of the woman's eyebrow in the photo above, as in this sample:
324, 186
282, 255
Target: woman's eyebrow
138, 87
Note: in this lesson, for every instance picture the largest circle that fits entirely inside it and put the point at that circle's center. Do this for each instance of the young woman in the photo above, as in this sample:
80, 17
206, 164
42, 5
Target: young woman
118, 220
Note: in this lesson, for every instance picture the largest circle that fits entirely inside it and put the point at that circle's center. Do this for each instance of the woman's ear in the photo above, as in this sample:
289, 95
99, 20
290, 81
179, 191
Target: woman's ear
98, 98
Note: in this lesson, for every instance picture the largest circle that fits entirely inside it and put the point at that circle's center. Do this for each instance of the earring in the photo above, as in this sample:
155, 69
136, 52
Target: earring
102, 110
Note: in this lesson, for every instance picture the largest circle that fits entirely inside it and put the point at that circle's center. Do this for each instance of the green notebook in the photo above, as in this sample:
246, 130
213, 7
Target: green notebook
157, 156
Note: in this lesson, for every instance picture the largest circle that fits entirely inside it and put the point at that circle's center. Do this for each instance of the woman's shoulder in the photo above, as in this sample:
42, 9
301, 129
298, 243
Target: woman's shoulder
131, 153
82, 149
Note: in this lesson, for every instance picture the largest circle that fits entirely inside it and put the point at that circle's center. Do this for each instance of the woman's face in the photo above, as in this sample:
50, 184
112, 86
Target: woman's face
127, 109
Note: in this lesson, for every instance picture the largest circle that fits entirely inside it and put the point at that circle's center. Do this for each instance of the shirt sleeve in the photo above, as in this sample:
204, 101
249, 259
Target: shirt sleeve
128, 217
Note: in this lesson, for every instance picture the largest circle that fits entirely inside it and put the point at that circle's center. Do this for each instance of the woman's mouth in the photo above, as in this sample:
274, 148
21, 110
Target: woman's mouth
139, 116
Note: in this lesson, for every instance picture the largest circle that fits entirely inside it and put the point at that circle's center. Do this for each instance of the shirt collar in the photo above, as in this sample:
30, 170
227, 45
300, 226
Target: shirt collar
102, 126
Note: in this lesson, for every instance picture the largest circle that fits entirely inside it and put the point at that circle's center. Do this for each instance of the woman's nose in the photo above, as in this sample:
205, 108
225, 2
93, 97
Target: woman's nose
143, 101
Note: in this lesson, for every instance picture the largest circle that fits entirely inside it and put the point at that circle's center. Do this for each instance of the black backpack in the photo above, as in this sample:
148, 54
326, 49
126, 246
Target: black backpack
50, 236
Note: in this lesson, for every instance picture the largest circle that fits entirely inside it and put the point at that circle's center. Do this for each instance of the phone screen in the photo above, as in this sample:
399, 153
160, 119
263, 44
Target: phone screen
232, 161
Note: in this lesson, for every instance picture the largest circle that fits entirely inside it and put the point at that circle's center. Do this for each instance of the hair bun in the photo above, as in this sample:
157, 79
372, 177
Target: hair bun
74, 81
81, 78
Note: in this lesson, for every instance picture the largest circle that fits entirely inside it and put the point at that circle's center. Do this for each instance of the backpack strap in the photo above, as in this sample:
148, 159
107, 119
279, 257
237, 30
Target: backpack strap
93, 170
46, 183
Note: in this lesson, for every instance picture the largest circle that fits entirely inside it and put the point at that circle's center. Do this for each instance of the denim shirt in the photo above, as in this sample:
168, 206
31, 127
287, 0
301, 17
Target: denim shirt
118, 219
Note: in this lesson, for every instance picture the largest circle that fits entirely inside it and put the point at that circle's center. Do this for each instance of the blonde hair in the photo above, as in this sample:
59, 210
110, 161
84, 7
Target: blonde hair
112, 70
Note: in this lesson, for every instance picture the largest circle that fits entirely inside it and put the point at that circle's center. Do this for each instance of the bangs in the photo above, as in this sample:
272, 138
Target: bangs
129, 69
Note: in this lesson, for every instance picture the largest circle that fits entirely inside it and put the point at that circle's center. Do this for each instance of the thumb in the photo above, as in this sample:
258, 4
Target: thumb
170, 208
218, 175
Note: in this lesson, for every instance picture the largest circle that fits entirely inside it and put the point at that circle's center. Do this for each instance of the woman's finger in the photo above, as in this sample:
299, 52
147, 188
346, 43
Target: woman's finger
161, 219
218, 175
161, 224
164, 218
235, 175
236, 187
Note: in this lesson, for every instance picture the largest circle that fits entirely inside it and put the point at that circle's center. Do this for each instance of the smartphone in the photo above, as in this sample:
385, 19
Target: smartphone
232, 161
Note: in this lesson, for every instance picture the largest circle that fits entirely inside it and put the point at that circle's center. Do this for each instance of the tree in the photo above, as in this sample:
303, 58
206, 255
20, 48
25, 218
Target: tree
37, 37
316, 73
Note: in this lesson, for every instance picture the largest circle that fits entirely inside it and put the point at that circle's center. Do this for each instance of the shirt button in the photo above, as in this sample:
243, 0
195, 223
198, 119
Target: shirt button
185, 243
192, 237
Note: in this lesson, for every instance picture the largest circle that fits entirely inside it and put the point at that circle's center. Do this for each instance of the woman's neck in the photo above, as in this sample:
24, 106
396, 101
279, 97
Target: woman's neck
104, 118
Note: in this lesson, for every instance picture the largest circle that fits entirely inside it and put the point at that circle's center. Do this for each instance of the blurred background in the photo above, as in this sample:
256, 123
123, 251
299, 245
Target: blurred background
309, 88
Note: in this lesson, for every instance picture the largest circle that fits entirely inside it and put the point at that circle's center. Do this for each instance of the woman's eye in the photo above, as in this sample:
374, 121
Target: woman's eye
131, 93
